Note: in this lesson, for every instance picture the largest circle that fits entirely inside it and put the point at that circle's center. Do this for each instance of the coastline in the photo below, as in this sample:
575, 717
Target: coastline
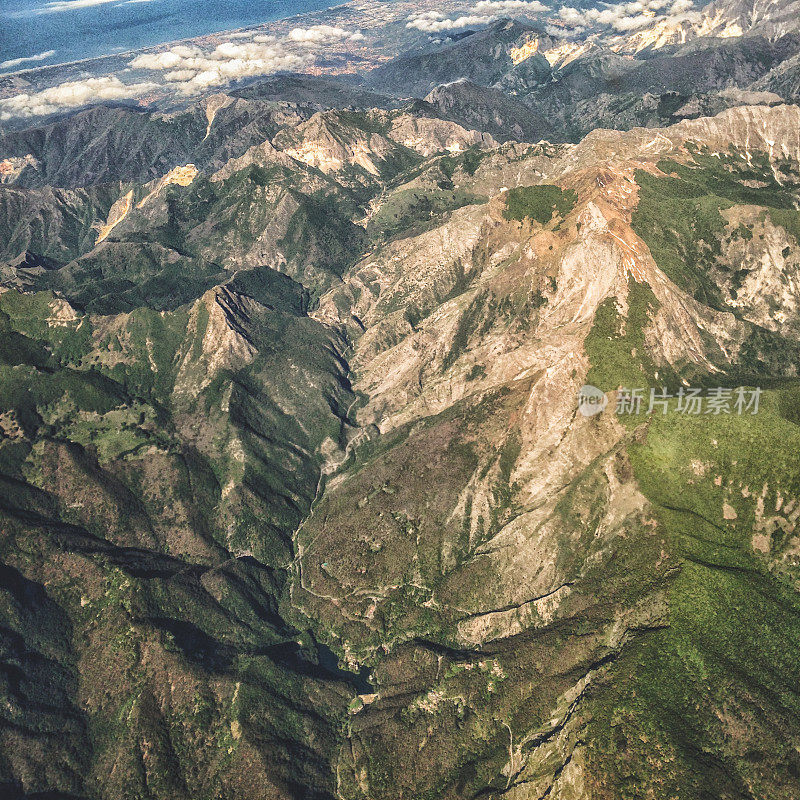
227, 32
350, 38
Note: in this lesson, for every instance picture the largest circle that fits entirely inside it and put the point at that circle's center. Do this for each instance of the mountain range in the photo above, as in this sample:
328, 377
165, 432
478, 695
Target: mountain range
297, 498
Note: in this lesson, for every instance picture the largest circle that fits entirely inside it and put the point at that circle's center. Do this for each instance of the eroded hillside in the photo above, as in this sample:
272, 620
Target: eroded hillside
297, 500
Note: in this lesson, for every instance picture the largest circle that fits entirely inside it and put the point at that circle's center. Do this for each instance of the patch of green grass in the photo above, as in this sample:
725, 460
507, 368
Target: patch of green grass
469, 161
39, 317
789, 220
411, 211
56, 383
705, 707
146, 360
616, 343
539, 203
319, 231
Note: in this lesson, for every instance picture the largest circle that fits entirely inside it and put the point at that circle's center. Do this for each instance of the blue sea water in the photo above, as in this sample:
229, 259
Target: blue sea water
56, 31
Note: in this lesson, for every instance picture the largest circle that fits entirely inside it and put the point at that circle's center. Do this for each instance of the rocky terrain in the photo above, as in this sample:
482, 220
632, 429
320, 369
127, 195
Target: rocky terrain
297, 501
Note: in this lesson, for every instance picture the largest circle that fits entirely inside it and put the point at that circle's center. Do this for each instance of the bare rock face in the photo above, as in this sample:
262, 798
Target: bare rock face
724, 19
771, 130
11, 168
323, 143
429, 136
774, 18
766, 282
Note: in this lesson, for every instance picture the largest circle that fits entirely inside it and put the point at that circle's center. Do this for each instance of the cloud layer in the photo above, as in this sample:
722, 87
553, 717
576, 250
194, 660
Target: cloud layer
434, 22
509, 7
73, 94
624, 17
190, 69
323, 34
482, 13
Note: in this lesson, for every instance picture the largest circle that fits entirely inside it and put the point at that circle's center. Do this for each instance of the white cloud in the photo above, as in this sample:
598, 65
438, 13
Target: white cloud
179, 75
191, 69
72, 94
430, 24
15, 62
167, 60
322, 34
571, 16
626, 16
509, 7
482, 13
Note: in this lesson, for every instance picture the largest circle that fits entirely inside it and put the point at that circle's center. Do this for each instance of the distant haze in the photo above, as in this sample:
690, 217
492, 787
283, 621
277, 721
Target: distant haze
37, 33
